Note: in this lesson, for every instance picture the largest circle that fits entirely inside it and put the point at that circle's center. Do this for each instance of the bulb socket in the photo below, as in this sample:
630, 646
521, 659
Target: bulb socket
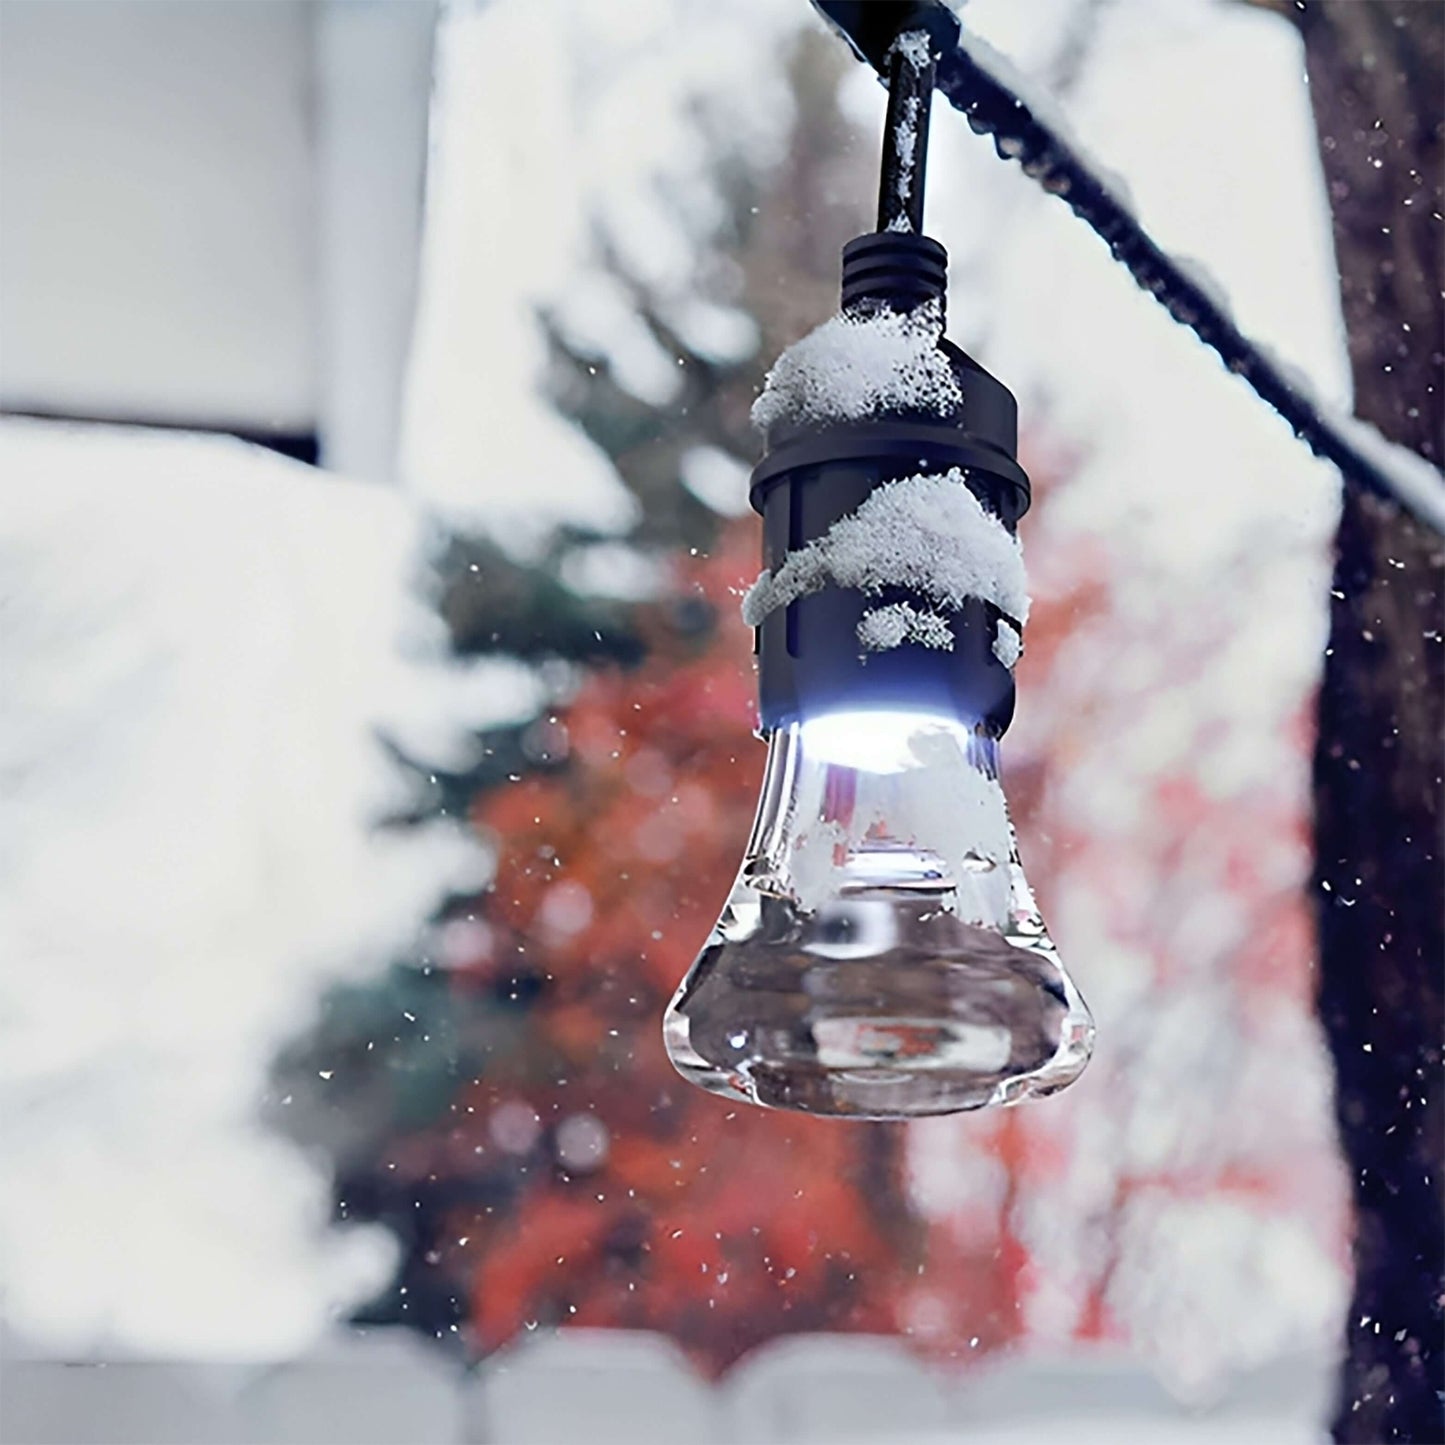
810, 659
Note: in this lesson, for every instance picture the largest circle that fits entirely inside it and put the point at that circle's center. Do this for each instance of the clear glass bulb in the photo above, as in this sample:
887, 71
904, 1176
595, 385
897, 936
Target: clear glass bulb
881, 954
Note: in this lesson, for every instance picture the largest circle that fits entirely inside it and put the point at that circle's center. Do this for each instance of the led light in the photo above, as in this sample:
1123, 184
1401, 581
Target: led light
878, 741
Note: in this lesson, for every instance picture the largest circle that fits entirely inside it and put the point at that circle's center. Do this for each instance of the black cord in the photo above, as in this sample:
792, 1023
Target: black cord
991, 108
905, 134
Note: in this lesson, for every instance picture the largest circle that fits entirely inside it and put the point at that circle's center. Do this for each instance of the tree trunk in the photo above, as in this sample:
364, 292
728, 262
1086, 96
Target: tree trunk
1375, 72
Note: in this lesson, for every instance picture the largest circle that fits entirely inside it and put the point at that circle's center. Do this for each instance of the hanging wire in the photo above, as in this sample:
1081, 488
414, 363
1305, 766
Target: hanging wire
993, 107
905, 134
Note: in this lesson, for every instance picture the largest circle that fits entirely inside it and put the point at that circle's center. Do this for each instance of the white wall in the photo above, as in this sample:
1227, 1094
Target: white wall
157, 176
374, 65
210, 213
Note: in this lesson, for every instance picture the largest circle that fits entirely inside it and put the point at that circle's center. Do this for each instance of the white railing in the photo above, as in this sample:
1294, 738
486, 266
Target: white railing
585, 1387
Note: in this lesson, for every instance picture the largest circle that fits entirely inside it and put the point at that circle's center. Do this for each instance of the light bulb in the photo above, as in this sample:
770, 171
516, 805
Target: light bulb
881, 954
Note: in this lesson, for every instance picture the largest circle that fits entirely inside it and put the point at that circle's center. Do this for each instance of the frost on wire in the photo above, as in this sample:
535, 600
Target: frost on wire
914, 46
1365, 457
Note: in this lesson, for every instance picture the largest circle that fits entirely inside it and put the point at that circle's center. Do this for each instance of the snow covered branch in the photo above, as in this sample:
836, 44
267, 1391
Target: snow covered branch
1000, 102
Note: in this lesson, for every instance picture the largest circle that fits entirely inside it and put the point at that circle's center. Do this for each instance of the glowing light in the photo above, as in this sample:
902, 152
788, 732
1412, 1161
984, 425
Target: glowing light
877, 741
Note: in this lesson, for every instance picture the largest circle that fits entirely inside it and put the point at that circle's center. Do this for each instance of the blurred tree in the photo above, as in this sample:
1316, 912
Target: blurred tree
501, 1100
640, 1201
1377, 77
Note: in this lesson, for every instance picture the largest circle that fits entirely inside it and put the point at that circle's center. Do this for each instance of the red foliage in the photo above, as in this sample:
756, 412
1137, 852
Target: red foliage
628, 1198
721, 1226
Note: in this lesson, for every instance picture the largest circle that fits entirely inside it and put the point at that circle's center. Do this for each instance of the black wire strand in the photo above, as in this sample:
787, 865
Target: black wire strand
905, 134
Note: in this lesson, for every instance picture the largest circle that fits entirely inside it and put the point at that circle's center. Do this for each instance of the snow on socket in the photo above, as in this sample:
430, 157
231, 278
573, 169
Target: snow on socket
928, 533
883, 628
1008, 644
860, 364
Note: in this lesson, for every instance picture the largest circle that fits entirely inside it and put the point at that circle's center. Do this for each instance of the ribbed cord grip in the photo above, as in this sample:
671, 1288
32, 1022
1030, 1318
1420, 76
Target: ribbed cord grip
895, 267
